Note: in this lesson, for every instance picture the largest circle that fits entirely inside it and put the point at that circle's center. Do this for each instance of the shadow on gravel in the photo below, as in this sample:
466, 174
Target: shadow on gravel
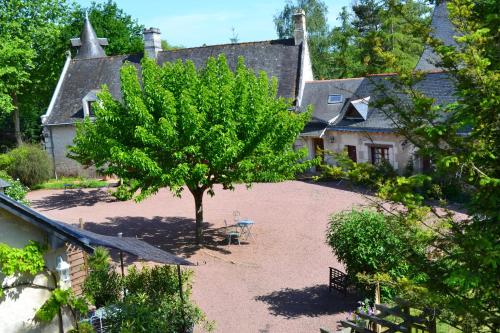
72, 198
310, 302
173, 234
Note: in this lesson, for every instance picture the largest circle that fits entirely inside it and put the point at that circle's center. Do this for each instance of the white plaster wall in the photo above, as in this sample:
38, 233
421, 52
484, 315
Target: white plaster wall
62, 137
18, 307
399, 153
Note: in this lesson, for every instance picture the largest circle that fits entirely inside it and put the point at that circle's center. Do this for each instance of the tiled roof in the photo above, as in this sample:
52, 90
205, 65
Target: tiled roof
278, 58
437, 85
442, 29
89, 240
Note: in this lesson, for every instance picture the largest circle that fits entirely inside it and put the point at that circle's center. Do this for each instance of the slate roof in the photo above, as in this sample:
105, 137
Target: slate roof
442, 29
436, 85
279, 58
89, 240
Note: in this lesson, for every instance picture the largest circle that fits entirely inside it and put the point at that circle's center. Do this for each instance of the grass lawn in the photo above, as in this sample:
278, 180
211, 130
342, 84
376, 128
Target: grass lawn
70, 182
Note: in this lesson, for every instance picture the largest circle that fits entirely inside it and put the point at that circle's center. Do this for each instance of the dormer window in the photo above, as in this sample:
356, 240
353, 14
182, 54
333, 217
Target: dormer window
358, 109
90, 107
335, 99
88, 103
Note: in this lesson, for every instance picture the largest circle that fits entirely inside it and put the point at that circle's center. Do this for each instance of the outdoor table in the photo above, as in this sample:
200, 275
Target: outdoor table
246, 227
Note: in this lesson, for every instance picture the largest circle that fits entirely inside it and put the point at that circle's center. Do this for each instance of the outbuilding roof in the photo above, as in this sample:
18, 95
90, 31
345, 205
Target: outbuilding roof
278, 58
89, 240
437, 85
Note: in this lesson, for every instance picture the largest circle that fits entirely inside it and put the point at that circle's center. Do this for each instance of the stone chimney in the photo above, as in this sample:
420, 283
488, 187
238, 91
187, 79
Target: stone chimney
152, 42
300, 32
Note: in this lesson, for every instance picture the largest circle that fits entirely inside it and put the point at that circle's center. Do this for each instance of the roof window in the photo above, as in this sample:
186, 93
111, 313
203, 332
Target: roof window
335, 99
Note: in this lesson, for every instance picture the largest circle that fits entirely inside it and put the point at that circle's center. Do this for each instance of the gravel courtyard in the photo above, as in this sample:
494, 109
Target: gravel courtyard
275, 283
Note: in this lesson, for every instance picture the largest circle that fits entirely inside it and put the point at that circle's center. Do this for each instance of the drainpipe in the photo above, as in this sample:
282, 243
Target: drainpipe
52, 151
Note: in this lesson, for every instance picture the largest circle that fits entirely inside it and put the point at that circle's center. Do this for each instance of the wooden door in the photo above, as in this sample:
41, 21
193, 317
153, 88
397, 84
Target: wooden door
351, 152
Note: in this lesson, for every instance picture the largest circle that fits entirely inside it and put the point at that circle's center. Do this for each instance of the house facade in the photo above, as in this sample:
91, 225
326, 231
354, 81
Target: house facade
344, 117
83, 76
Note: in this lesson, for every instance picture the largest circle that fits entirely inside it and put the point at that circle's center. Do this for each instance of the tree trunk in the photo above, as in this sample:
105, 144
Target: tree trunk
198, 203
17, 121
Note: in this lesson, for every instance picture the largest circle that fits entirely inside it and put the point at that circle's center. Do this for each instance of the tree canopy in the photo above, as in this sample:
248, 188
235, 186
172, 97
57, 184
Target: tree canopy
370, 27
34, 38
459, 273
192, 127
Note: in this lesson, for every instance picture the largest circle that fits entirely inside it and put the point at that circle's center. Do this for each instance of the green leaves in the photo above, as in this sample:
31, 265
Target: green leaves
26, 260
194, 127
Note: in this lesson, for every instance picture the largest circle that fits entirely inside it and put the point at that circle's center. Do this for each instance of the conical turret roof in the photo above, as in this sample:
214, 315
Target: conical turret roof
442, 29
89, 45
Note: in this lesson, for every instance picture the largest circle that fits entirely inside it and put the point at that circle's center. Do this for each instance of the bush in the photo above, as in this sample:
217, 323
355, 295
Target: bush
16, 190
152, 302
367, 242
5, 161
30, 164
363, 174
103, 285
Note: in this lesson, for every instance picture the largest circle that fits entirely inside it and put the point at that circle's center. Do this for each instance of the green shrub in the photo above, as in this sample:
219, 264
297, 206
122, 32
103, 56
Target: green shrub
5, 161
152, 302
330, 172
30, 164
16, 190
367, 242
103, 284
363, 174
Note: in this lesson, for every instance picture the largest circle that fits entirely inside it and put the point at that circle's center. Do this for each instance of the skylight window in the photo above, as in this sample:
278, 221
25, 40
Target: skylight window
334, 99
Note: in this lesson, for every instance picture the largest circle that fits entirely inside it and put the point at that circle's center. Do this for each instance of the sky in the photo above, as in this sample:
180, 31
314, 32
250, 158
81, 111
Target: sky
192, 23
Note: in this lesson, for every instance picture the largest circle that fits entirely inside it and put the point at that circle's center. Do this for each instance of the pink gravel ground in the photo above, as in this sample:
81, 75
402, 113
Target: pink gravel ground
277, 283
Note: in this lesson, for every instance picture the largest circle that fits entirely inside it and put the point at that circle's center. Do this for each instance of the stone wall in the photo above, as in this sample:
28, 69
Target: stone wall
62, 137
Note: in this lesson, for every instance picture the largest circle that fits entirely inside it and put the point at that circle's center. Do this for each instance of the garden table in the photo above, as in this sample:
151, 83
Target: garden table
246, 227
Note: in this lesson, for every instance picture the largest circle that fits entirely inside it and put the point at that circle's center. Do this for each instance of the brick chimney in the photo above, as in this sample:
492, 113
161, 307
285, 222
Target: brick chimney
300, 32
152, 42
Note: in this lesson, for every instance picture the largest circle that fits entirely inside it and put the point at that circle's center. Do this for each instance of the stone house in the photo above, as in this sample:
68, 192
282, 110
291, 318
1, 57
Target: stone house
344, 117
82, 77
66, 247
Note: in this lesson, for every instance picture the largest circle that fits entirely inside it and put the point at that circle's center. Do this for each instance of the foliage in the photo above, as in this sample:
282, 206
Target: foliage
365, 242
461, 267
30, 57
192, 127
70, 182
83, 327
34, 37
58, 299
5, 161
16, 190
126, 190
30, 164
103, 285
29, 259
13, 260
152, 302
354, 47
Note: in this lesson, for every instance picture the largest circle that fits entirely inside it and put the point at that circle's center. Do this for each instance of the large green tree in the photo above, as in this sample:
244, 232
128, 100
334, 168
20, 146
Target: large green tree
29, 32
34, 38
459, 275
192, 127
